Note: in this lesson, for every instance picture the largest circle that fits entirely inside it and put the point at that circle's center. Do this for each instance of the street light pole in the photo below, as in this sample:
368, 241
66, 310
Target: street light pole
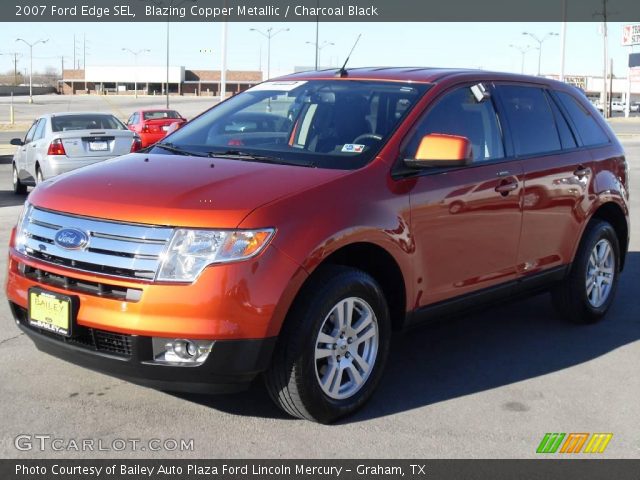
540, 42
319, 50
135, 63
523, 51
169, 4
269, 34
31, 45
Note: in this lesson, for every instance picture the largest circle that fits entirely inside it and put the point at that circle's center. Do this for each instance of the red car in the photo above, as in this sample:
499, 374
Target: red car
291, 242
153, 125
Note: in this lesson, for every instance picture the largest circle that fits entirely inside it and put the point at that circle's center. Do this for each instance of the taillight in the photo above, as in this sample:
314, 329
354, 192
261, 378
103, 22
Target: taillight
136, 145
56, 148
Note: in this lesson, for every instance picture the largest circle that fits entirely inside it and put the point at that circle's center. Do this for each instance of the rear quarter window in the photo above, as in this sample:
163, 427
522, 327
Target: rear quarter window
531, 120
588, 129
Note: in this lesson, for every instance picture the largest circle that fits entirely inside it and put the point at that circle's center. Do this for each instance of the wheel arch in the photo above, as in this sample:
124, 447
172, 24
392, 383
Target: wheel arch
382, 266
613, 214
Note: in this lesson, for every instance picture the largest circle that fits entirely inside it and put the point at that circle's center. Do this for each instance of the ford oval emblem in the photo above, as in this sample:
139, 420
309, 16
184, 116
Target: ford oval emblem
71, 239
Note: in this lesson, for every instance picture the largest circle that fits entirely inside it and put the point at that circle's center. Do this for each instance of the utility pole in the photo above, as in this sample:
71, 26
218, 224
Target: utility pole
319, 49
523, 52
317, 35
611, 87
62, 73
603, 94
15, 68
84, 60
269, 34
74, 50
223, 63
540, 41
135, 54
563, 39
15, 65
31, 45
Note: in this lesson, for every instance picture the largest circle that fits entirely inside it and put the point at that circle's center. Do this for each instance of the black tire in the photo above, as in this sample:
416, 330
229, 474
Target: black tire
570, 297
39, 178
19, 188
293, 381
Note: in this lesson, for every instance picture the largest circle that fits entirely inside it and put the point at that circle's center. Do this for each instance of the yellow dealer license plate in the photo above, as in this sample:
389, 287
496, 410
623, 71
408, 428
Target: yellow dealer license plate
50, 311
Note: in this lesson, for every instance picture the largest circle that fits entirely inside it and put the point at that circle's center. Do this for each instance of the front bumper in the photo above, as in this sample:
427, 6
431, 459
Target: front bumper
239, 306
230, 367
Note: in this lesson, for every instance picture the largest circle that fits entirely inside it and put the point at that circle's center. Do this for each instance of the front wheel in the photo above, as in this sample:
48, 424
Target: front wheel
333, 347
588, 291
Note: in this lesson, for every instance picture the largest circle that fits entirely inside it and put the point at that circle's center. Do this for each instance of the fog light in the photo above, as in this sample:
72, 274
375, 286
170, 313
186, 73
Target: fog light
180, 351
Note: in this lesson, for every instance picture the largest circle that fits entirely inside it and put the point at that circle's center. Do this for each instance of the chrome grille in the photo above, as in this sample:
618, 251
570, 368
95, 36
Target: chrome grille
119, 249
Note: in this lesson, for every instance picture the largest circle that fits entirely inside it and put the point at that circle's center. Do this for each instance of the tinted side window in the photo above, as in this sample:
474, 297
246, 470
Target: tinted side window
39, 133
459, 113
566, 136
588, 129
531, 120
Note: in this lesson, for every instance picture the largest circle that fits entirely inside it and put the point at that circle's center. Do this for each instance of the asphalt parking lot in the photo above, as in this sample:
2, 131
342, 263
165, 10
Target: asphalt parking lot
486, 385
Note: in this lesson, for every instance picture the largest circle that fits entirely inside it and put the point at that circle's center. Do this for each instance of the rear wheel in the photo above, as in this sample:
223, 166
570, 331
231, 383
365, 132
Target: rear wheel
19, 188
588, 291
333, 347
39, 177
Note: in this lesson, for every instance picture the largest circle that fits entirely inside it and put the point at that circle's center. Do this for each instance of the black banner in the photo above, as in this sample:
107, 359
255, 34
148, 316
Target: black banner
319, 10
544, 469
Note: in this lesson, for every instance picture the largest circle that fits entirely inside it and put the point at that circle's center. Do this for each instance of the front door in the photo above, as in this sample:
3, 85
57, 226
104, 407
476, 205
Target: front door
466, 221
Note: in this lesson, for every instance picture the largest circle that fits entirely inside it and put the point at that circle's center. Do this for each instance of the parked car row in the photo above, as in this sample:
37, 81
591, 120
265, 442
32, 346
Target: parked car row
617, 106
60, 142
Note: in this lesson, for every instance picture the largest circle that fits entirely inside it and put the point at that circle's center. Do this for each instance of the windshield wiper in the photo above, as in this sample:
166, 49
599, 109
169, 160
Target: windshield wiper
172, 148
252, 157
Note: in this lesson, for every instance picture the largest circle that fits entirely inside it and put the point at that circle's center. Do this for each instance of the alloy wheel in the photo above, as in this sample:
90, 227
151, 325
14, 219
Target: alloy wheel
346, 348
600, 273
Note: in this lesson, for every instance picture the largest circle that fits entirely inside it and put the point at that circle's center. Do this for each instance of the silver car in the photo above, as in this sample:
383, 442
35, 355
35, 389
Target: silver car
60, 142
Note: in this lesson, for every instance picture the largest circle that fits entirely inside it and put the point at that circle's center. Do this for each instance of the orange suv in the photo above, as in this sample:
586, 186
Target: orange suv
291, 242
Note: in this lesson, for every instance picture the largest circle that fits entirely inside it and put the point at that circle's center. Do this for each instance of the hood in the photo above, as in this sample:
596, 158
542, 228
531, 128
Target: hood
175, 190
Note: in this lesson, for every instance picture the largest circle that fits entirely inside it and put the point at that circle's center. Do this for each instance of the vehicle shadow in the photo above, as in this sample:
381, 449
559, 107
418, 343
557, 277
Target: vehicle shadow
472, 353
10, 199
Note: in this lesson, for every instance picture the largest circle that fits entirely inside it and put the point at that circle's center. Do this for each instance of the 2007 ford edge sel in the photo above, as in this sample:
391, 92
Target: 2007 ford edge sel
289, 230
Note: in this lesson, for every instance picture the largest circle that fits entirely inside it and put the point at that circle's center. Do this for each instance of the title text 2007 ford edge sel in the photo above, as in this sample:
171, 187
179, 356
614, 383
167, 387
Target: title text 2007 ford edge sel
290, 229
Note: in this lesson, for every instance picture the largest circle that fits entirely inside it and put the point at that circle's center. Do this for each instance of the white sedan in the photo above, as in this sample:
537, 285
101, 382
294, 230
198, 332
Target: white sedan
60, 142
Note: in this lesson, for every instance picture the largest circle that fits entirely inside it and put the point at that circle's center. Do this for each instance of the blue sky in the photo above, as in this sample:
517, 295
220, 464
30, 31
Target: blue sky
471, 45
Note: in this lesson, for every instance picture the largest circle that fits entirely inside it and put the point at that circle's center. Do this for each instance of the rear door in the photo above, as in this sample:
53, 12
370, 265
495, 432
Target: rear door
557, 176
466, 221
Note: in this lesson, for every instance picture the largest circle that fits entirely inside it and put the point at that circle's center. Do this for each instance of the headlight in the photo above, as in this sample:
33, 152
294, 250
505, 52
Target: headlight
21, 227
190, 251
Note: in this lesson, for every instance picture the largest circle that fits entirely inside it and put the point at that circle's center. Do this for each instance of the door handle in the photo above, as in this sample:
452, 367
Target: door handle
507, 186
582, 171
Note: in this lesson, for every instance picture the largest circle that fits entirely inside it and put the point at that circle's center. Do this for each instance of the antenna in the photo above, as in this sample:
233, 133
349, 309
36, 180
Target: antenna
343, 71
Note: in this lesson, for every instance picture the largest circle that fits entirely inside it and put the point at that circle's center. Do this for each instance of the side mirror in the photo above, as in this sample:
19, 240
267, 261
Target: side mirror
17, 142
440, 150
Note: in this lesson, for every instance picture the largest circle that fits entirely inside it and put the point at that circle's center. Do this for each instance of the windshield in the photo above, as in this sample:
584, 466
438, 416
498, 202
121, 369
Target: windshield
324, 123
65, 123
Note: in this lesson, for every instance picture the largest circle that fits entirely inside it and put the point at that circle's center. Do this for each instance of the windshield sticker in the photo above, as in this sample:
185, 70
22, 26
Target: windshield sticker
277, 86
353, 148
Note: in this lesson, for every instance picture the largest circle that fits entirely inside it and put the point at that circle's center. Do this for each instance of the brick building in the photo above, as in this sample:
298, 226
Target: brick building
152, 80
